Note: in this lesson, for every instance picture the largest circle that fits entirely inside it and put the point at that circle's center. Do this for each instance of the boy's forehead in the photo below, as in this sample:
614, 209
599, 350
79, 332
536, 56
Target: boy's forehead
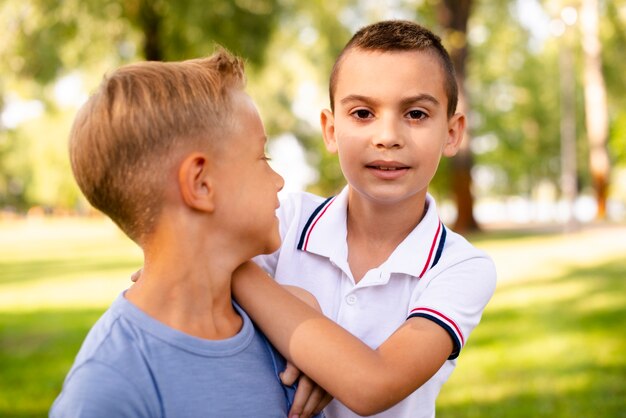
409, 70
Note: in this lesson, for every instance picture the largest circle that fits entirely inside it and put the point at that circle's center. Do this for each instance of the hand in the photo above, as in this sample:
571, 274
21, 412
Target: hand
136, 275
309, 399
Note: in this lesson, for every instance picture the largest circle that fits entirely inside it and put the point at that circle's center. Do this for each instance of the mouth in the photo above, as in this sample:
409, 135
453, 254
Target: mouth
387, 165
383, 168
387, 170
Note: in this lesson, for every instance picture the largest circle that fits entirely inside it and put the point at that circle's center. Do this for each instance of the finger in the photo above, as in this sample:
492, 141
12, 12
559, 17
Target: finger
290, 374
304, 390
136, 275
326, 399
312, 403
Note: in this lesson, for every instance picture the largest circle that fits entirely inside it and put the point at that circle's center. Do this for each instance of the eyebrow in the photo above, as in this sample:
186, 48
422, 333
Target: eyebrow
406, 101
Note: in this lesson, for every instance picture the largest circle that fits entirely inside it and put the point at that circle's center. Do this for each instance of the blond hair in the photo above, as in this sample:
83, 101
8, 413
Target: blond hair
123, 138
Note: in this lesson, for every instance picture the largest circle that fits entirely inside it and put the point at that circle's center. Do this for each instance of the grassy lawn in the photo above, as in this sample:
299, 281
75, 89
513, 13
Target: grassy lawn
551, 342
56, 279
552, 339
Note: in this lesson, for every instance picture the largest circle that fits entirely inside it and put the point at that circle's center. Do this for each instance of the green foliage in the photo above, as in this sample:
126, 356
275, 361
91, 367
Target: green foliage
319, 36
613, 35
512, 78
14, 175
514, 116
189, 28
617, 145
36, 167
46, 40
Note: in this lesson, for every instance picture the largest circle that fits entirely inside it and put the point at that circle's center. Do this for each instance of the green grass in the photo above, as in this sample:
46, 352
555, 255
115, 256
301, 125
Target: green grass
550, 348
56, 279
550, 344
36, 351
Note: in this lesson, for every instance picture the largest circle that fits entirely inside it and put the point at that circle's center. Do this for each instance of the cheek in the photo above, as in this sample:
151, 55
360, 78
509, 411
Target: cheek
350, 139
349, 151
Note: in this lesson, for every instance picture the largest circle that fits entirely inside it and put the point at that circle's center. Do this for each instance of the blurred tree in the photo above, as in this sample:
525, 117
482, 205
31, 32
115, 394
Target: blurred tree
510, 76
513, 81
46, 40
49, 36
596, 112
453, 16
174, 30
293, 88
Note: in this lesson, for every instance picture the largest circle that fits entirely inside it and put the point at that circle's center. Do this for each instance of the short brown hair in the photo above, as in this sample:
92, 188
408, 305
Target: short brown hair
399, 35
123, 138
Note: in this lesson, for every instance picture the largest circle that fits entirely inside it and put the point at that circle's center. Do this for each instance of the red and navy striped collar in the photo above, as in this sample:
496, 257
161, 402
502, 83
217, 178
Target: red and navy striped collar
324, 233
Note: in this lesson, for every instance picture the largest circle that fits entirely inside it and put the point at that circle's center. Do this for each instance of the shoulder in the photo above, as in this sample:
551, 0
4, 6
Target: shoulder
109, 365
464, 274
95, 389
296, 210
112, 338
459, 250
297, 204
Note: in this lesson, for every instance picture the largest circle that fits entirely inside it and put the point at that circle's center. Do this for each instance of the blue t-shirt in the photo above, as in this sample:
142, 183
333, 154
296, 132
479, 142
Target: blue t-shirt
131, 365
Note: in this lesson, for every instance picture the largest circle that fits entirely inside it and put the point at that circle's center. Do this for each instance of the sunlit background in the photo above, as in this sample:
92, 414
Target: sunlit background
540, 184
525, 165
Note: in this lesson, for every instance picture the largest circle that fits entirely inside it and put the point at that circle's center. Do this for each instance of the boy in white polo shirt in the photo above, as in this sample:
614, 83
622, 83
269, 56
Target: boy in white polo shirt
377, 257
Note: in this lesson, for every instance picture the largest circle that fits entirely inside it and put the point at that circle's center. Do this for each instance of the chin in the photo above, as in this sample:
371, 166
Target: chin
272, 244
274, 247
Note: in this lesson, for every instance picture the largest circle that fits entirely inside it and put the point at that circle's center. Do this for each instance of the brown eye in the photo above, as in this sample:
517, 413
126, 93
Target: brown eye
416, 114
362, 113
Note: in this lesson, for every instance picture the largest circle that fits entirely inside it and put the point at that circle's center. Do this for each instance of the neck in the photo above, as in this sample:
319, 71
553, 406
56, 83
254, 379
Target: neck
186, 285
375, 230
382, 222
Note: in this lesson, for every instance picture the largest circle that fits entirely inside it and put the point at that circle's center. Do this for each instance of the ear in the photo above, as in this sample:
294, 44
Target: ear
195, 182
456, 132
327, 120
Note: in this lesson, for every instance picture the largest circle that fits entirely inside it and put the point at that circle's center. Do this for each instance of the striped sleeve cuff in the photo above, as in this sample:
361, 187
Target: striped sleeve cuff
446, 323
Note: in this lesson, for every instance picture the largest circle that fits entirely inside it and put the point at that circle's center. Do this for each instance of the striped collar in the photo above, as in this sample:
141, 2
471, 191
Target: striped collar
324, 233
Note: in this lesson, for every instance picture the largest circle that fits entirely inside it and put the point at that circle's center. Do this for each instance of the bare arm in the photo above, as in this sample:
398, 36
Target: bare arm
365, 380
310, 398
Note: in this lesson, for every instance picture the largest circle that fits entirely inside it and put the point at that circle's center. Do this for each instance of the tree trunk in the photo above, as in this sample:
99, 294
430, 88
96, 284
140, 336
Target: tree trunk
150, 20
453, 16
596, 114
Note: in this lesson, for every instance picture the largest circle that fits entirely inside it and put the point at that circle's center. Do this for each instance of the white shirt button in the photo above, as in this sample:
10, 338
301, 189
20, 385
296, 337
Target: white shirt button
351, 299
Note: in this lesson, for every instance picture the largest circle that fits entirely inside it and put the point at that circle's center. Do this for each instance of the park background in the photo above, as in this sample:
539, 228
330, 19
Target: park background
540, 185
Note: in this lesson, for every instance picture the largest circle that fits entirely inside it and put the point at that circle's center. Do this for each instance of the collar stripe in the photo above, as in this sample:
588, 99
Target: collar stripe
432, 248
442, 241
310, 223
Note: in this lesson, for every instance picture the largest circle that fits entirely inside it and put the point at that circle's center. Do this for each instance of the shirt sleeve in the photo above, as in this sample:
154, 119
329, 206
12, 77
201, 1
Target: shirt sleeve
95, 390
455, 297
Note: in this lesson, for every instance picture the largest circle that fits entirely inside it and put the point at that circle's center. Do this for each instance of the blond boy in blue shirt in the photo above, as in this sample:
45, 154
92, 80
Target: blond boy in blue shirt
174, 153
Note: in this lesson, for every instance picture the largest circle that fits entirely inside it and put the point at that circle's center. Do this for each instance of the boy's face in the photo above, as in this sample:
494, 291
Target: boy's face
247, 187
390, 126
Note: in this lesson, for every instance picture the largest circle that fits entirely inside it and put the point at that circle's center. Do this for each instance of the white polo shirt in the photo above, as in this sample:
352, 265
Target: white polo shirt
434, 273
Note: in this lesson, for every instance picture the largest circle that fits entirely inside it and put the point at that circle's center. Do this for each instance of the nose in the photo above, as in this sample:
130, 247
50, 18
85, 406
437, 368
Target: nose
280, 181
389, 134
